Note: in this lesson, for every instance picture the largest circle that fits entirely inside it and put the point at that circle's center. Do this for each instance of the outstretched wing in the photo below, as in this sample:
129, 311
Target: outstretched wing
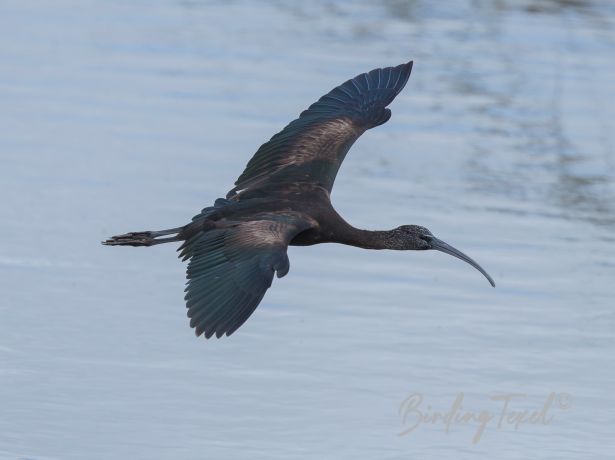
310, 150
231, 267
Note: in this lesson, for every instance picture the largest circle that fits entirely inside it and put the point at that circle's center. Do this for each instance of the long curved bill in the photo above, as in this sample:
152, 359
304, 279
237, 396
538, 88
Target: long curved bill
440, 245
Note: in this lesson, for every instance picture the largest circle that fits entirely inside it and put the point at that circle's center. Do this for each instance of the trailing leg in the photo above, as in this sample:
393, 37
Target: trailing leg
148, 238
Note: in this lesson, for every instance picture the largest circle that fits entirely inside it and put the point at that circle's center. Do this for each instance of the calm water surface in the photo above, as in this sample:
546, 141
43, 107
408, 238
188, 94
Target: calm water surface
122, 116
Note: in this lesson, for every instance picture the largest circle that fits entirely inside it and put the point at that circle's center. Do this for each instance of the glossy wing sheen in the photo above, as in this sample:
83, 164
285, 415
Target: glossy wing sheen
232, 266
310, 150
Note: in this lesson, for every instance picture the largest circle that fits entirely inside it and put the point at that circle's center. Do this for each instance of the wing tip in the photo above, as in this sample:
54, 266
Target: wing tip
408, 67
406, 70
395, 80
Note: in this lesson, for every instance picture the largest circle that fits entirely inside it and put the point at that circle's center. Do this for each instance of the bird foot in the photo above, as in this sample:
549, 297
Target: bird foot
130, 239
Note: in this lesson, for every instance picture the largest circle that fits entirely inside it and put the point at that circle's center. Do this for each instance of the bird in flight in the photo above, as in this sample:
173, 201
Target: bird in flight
282, 198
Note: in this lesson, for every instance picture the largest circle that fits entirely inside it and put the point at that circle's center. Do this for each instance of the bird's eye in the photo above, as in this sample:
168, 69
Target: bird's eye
427, 238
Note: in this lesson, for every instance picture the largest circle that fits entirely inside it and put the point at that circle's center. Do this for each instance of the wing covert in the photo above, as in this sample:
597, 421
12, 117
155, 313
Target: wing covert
231, 268
311, 149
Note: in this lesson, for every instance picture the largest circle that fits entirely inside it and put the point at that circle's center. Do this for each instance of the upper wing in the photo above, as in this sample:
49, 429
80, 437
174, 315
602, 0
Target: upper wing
231, 267
311, 148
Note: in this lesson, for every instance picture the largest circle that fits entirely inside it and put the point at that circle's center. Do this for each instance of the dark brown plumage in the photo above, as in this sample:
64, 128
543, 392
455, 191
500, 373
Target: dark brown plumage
281, 199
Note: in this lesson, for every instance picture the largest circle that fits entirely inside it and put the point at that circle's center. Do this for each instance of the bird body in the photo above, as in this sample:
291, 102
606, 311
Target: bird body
282, 198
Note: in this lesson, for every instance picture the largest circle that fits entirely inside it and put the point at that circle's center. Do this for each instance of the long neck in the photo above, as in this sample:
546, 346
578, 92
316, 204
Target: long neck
367, 239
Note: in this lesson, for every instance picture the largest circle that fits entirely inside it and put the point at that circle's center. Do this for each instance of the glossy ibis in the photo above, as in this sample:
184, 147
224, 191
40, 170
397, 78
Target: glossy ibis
281, 199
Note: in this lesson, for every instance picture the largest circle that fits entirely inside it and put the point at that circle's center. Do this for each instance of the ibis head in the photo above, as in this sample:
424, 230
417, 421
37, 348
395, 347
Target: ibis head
418, 238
